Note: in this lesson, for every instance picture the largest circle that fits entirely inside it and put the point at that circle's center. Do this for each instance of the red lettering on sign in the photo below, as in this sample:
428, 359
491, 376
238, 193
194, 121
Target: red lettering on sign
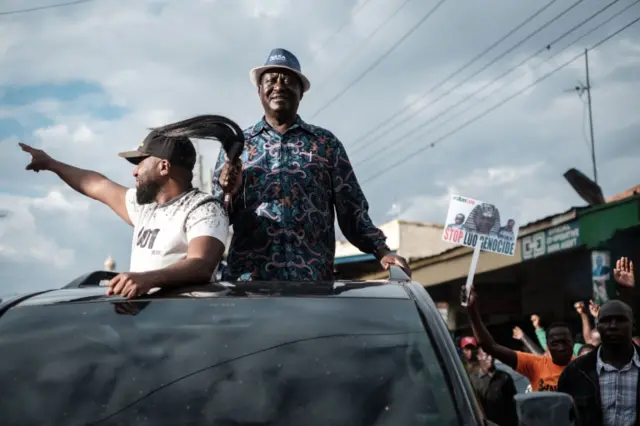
453, 235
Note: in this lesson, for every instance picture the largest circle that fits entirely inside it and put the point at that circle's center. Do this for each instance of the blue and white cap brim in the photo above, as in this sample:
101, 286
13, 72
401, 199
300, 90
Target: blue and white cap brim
255, 74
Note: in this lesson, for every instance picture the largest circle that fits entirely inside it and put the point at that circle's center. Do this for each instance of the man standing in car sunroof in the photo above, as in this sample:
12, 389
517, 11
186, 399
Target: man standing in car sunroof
292, 181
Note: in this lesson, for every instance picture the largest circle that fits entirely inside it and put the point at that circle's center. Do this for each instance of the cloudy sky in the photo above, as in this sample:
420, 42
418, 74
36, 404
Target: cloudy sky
85, 81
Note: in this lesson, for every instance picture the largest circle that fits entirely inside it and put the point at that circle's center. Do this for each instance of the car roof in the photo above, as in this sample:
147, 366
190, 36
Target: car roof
351, 289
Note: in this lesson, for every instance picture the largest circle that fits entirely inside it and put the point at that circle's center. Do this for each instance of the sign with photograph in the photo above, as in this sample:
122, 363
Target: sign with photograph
600, 275
471, 222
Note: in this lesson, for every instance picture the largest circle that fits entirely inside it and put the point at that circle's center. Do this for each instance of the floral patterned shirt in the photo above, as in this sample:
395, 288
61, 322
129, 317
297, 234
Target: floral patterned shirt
283, 215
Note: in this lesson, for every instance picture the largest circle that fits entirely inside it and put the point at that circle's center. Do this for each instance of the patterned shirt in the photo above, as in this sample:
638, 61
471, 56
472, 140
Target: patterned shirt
618, 390
283, 216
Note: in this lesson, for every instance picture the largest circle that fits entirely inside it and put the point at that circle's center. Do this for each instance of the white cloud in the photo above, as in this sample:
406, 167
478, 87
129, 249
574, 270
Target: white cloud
61, 135
56, 200
22, 240
496, 185
167, 60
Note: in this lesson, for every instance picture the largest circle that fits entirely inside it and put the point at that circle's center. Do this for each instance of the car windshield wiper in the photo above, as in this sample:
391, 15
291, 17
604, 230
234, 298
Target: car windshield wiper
209, 367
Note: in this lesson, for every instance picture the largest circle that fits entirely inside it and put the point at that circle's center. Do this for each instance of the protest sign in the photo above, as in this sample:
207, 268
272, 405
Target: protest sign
471, 221
482, 226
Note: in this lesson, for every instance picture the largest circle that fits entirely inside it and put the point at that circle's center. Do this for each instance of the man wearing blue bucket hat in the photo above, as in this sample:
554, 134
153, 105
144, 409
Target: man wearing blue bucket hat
291, 182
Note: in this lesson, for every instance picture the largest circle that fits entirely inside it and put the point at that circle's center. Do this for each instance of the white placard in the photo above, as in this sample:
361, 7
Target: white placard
470, 221
480, 225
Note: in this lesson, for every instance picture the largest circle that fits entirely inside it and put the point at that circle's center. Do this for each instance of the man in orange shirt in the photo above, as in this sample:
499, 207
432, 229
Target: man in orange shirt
541, 370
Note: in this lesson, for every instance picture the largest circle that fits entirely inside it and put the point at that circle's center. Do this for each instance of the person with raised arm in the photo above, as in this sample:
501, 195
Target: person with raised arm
542, 371
179, 232
518, 334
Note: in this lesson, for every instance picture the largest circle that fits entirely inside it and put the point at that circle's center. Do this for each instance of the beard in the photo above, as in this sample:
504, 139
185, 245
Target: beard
147, 192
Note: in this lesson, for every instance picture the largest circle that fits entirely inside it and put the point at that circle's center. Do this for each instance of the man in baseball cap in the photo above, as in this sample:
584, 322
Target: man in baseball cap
469, 346
179, 231
178, 153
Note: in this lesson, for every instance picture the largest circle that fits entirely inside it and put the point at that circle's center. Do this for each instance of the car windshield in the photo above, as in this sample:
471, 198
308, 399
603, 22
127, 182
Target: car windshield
224, 361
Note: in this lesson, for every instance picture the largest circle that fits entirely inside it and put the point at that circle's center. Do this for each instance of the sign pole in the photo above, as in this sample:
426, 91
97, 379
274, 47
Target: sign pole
472, 269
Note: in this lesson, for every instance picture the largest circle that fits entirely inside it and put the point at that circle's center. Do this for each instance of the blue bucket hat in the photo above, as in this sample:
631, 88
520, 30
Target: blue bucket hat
280, 58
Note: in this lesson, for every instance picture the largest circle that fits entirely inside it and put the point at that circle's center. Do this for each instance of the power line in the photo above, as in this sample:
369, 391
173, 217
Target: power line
342, 27
353, 53
456, 72
380, 59
36, 9
504, 74
467, 79
493, 92
496, 106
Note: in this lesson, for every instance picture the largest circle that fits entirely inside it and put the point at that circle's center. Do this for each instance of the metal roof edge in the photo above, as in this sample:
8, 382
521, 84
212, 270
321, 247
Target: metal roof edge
613, 204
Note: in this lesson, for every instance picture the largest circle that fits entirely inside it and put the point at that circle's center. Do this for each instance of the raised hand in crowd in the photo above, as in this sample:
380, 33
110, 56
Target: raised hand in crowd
594, 309
587, 331
623, 273
518, 334
535, 321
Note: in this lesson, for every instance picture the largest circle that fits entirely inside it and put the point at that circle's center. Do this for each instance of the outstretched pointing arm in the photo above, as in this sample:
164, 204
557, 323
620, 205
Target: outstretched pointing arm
87, 182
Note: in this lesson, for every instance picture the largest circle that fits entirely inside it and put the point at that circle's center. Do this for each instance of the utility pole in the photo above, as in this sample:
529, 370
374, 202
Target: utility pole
593, 143
581, 89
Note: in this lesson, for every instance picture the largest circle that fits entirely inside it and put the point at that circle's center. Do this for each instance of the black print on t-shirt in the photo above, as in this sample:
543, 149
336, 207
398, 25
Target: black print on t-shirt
545, 387
147, 238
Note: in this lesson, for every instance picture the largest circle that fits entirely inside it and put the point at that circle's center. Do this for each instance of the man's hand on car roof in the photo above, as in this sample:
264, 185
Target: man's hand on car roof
389, 259
129, 285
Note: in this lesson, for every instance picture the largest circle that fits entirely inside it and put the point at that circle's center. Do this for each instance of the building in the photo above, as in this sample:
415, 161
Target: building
551, 269
411, 240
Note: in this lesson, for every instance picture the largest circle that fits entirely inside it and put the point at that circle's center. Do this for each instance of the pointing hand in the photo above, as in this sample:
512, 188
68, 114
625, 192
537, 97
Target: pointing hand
40, 160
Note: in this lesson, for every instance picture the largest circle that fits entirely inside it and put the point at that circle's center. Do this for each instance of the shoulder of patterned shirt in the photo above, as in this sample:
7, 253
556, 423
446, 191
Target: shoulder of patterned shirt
317, 131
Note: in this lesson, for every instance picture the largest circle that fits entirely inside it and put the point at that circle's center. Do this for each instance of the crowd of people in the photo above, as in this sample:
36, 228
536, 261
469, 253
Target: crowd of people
601, 374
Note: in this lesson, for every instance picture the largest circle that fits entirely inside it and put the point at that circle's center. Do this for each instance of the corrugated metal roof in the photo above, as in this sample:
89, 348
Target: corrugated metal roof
625, 194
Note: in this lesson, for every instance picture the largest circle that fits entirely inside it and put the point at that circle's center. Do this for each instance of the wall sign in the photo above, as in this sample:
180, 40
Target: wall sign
562, 237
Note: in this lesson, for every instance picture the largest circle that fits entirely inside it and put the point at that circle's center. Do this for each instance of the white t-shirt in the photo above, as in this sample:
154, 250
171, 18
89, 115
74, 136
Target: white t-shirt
161, 233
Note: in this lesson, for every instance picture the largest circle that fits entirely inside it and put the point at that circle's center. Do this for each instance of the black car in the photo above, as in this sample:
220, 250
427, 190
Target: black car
247, 353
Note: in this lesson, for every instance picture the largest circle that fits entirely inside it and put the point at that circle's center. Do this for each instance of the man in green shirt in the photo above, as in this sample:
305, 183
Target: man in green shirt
542, 336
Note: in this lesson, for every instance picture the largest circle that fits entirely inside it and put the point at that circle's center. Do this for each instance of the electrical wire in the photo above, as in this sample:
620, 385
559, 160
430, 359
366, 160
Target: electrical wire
467, 123
36, 9
380, 59
353, 54
455, 73
468, 78
504, 74
342, 27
